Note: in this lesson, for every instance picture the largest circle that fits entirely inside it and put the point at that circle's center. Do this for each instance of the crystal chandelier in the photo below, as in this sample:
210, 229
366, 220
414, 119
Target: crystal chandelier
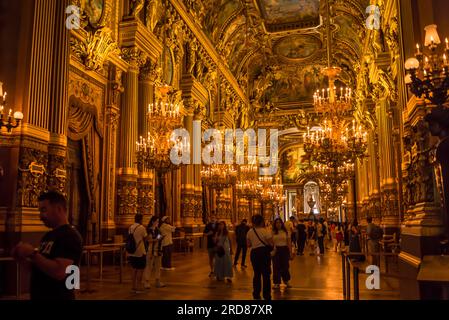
333, 146
219, 176
428, 72
7, 121
153, 152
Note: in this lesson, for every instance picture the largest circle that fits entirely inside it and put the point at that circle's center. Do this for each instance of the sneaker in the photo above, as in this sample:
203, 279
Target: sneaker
211, 274
160, 285
229, 280
276, 286
288, 285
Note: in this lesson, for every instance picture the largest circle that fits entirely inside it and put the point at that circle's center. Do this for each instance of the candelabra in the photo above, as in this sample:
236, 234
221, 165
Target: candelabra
428, 72
7, 121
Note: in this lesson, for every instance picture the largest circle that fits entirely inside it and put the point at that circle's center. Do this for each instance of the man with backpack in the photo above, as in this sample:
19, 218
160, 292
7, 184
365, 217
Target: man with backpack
374, 235
135, 246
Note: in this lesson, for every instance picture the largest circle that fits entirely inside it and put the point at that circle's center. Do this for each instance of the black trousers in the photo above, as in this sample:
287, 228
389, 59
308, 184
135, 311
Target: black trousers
166, 256
321, 244
261, 261
243, 249
301, 244
281, 265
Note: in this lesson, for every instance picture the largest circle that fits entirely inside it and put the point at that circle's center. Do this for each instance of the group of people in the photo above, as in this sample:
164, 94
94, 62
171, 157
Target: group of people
152, 251
268, 248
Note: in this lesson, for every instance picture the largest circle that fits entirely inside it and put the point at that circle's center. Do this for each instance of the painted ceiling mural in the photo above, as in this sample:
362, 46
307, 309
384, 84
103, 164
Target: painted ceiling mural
276, 49
283, 12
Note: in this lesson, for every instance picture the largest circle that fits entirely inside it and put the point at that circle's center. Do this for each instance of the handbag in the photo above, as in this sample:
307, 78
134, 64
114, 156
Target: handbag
269, 248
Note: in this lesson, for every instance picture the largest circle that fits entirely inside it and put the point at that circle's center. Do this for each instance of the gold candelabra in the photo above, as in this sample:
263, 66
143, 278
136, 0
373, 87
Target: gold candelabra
7, 121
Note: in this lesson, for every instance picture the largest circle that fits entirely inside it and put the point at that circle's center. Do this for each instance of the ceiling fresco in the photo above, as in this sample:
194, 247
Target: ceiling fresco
297, 47
298, 13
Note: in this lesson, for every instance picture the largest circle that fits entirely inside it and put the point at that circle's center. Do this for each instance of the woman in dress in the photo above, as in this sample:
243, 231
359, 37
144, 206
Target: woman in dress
223, 261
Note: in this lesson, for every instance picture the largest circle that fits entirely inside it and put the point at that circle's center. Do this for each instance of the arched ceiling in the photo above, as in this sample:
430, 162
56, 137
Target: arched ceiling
280, 45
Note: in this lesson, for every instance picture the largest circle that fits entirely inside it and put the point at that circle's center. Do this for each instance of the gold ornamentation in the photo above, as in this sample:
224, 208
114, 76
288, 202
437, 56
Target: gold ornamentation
93, 49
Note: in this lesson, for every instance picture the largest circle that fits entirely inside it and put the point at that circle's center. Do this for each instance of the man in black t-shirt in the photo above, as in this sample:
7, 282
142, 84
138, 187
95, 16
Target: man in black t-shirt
59, 248
210, 231
302, 236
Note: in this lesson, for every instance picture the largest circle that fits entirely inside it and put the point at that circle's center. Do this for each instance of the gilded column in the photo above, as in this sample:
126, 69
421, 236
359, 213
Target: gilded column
373, 178
188, 201
57, 148
388, 181
127, 172
145, 180
109, 177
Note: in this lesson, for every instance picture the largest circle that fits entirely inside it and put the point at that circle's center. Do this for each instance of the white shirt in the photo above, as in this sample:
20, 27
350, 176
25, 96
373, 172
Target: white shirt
263, 233
140, 233
280, 239
166, 232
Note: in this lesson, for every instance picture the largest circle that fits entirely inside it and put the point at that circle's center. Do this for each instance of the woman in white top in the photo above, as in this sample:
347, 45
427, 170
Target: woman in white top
167, 242
282, 253
260, 241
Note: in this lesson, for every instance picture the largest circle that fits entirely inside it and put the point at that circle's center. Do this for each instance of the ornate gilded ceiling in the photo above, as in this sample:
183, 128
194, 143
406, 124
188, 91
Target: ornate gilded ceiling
280, 45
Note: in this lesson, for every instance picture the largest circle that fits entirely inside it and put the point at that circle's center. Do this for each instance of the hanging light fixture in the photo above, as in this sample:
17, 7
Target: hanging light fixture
163, 116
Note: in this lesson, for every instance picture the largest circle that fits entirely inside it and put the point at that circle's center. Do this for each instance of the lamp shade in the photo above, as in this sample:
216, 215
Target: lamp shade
431, 35
411, 63
18, 115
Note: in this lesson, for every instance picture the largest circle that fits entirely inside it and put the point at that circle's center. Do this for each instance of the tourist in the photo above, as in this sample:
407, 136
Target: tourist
354, 243
137, 259
167, 231
320, 234
210, 231
59, 248
223, 262
301, 231
240, 233
154, 254
374, 234
339, 237
281, 254
261, 243
311, 237
291, 229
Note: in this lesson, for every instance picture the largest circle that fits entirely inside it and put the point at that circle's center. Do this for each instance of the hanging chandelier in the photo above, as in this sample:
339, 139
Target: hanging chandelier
219, 176
335, 145
163, 115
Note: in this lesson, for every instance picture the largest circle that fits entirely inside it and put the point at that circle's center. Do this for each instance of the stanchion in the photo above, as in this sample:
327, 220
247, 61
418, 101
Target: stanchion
343, 268
356, 282
348, 279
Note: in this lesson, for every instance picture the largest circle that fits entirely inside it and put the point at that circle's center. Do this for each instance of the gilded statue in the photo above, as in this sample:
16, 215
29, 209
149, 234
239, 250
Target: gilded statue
151, 16
135, 6
192, 57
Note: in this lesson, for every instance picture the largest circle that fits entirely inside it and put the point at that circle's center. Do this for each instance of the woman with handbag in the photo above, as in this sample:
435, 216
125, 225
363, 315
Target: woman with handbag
281, 254
261, 243
223, 261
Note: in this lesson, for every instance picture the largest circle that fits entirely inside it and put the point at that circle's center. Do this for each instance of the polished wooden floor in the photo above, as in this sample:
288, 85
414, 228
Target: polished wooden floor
313, 278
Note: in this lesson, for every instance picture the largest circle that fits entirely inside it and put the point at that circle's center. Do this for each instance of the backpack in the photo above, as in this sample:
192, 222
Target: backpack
377, 233
131, 245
